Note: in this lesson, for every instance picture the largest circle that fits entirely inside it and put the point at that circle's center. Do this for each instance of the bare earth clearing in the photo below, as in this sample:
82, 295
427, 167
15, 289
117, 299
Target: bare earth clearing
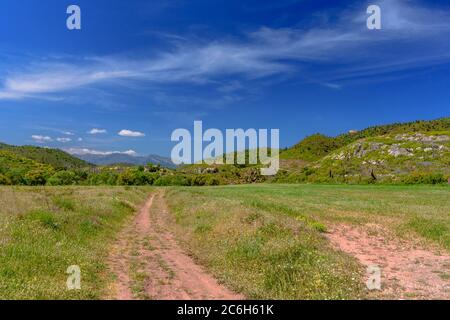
149, 264
407, 270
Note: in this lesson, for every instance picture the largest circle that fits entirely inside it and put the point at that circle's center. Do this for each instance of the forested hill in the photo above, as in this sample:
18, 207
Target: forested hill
54, 157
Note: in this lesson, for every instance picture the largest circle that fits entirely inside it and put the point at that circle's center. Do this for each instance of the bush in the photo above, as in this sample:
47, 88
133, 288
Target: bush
63, 178
4, 180
212, 181
176, 180
103, 178
36, 177
136, 177
424, 178
126, 178
16, 176
198, 180
153, 168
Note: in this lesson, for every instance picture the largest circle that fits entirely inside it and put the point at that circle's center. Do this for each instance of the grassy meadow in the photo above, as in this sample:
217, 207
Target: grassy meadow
264, 240
267, 240
44, 230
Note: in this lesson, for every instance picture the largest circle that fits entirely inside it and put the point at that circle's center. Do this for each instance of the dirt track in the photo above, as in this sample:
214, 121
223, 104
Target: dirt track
149, 264
408, 271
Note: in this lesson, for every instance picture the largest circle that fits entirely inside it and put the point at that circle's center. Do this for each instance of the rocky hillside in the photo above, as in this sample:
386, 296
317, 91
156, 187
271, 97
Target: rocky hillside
390, 158
417, 157
316, 146
414, 152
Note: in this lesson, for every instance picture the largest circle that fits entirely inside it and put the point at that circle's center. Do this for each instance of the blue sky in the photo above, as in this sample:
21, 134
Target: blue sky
139, 69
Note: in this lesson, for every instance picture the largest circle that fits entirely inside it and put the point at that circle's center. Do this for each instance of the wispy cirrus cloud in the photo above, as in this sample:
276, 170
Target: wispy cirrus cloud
412, 37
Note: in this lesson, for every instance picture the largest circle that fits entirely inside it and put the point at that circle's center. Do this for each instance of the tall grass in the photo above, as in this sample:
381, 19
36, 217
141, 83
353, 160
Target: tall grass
44, 230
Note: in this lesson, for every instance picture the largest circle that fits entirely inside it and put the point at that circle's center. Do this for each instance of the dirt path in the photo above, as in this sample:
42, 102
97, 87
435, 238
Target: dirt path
149, 264
407, 270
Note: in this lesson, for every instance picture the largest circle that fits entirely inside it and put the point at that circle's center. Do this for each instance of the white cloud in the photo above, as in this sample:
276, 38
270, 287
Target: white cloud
84, 151
41, 139
80, 139
63, 140
68, 133
96, 131
129, 133
411, 37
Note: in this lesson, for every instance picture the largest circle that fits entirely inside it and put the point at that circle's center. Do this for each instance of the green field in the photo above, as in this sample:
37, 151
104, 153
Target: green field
44, 230
268, 240
409, 210
265, 241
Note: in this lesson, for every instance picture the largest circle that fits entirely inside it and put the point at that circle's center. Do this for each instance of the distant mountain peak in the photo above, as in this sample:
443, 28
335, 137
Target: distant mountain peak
125, 158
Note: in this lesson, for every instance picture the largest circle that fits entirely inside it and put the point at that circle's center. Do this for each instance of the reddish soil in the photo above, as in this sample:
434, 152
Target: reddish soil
408, 271
149, 263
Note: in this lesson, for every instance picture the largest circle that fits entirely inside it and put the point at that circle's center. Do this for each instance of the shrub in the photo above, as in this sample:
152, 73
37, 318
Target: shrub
102, 178
4, 180
153, 168
63, 178
126, 178
16, 176
212, 181
36, 177
198, 180
136, 177
176, 180
424, 178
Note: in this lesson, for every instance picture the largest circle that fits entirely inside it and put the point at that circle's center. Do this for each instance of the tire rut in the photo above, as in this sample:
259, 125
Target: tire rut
148, 263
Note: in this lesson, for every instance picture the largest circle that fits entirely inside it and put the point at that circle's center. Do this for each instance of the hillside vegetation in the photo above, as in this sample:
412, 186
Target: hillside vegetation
314, 147
414, 152
54, 157
404, 157
408, 153
410, 158
125, 159
19, 170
